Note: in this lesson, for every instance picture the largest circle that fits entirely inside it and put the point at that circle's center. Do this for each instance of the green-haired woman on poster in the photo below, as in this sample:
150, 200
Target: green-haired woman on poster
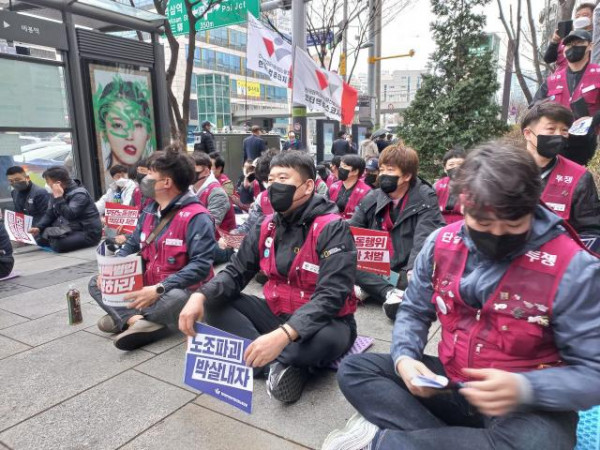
124, 121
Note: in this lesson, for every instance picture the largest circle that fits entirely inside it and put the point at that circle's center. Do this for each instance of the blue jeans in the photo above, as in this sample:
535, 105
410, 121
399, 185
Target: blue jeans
445, 421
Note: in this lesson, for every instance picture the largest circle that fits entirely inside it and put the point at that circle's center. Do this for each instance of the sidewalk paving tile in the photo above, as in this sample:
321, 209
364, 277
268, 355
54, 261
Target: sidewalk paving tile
322, 405
167, 366
48, 328
194, 427
10, 347
89, 421
46, 375
88, 254
372, 321
8, 319
29, 267
8, 289
52, 277
45, 301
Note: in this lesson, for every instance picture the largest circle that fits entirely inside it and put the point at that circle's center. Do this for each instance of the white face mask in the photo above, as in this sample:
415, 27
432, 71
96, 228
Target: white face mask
581, 22
48, 189
121, 182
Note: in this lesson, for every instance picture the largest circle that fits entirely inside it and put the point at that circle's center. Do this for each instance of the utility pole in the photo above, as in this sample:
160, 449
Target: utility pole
299, 123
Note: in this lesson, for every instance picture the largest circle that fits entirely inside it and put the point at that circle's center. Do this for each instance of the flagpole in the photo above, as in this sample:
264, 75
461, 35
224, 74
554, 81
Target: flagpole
299, 122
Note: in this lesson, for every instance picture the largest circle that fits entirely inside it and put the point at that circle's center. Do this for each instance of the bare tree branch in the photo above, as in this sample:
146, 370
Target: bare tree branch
534, 43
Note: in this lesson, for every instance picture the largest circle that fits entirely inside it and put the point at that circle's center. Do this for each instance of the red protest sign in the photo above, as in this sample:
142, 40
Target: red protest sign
373, 254
124, 216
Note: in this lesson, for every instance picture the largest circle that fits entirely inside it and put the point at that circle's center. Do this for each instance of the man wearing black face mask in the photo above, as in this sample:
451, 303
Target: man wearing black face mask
576, 86
517, 300
28, 197
449, 205
175, 237
307, 253
569, 189
406, 207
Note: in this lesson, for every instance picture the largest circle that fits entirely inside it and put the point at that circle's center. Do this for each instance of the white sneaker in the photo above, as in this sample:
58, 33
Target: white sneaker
358, 434
360, 294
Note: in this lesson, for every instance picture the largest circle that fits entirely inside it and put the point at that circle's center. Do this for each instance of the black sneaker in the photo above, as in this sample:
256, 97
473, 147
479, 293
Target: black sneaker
261, 278
392, 303
142, 332
286, 383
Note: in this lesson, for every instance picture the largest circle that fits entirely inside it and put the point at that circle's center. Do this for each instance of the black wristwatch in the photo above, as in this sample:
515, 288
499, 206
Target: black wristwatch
160, 289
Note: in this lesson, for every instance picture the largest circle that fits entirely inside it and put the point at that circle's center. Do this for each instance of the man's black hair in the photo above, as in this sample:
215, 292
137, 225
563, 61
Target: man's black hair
498, 178
57, 173
14, 170
550, 110
301, 162
202, 159
455, 152
118, 168
341, 134
263, 165
218, 159
336, 160
176, 164
356, 162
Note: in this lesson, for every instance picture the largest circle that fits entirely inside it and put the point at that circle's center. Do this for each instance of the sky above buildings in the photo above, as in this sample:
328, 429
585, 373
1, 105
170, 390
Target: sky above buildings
410, 30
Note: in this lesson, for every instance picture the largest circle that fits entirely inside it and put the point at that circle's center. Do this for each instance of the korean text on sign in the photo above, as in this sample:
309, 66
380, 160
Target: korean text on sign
372, 248
121, 216
17, 226
215, 366
119, 276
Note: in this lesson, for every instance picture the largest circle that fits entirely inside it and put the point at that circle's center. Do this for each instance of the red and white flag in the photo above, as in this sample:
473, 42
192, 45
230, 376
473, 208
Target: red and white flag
349, 101
316, 88
268, 53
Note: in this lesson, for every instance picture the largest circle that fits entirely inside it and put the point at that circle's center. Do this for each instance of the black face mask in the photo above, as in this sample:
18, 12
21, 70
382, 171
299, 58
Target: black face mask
148, 187
343, 174
371, 179
388, 183
451, 172
497, 247
21, 186
281, 196
575, 54
549, 146
139, 177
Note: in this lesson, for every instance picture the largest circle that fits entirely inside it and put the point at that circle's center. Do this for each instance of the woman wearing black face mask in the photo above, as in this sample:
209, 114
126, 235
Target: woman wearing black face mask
404, 206
348, 192
516, 299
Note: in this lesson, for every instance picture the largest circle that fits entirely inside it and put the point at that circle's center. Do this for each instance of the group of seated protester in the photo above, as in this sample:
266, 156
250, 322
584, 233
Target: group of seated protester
491, 250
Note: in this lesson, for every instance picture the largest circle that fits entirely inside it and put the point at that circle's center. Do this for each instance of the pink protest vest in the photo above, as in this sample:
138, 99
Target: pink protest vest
228, 222
512, 331
286, 293
558, 193
168, 253
442, 189
588, 88
360, 190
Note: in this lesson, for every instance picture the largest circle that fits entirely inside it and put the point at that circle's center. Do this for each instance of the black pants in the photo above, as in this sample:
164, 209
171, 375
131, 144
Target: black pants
249, 317
6, 265
75, 240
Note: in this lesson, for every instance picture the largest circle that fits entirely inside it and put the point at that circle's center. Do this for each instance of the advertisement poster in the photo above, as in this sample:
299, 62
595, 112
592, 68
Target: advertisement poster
123, 116
214, 364
121, 216
119, 276
373, 254
17, 226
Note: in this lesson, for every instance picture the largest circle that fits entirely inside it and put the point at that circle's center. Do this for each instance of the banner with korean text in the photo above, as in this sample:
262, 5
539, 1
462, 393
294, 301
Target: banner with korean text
214, 364
373, 253
17, 226
121, 216
267, 52
119, 276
